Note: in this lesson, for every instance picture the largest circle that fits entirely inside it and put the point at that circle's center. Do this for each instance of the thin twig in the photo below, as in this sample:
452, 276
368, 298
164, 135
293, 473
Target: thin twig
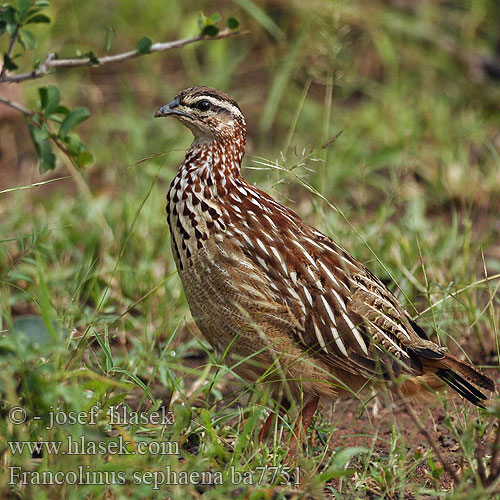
15, 105
51, 61
36, 184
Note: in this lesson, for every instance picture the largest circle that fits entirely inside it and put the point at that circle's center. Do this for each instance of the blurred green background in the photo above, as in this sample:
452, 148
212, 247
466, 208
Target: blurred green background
412, 85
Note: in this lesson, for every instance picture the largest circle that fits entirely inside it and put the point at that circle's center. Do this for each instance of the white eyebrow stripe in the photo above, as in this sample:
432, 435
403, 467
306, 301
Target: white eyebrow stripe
216, 102
355, 332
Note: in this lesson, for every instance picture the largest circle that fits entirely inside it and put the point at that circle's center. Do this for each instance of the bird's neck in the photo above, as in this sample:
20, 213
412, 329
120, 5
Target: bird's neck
214, 161
199, 194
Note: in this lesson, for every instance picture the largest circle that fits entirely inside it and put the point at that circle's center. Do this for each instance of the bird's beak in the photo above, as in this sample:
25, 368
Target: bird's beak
170, 109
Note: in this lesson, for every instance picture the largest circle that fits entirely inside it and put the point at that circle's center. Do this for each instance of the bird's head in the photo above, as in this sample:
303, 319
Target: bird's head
208, 113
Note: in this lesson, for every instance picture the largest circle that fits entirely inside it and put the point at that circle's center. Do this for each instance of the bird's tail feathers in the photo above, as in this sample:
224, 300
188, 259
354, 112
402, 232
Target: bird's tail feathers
459, 375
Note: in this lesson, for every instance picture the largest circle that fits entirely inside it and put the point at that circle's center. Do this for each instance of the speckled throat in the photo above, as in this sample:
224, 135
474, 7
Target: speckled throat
207, 184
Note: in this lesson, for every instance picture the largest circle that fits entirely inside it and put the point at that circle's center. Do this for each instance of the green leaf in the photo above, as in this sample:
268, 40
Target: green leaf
110, 33
333, 473
342, 457
9, 63
210, 30
207, 24
62, 110
11, 19
214, 18
85, 159
73, 144
104, 343
41, 138
23, 6
338, 468
46, 308
233, 23
33, 10
27, 39
47, 158
3, 27
38, 18
144, 45
202, 21
42, 3
49, 99
76, 116
34, 328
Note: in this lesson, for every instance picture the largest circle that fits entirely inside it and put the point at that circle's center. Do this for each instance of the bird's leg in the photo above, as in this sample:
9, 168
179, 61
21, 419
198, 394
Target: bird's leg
306, 416
265, 428
264, 431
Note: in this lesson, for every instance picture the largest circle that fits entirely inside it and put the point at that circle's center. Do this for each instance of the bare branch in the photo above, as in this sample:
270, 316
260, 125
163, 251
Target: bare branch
51, 61
15, 105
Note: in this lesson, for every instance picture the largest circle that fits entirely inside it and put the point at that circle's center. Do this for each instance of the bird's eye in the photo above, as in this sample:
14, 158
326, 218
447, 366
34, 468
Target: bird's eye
203, 105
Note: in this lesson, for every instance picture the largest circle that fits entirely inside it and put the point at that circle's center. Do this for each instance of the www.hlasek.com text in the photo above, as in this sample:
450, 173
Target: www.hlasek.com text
84, 446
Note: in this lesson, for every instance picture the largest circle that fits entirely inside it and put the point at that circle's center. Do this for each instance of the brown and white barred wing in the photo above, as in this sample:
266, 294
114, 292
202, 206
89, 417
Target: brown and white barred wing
346, 315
